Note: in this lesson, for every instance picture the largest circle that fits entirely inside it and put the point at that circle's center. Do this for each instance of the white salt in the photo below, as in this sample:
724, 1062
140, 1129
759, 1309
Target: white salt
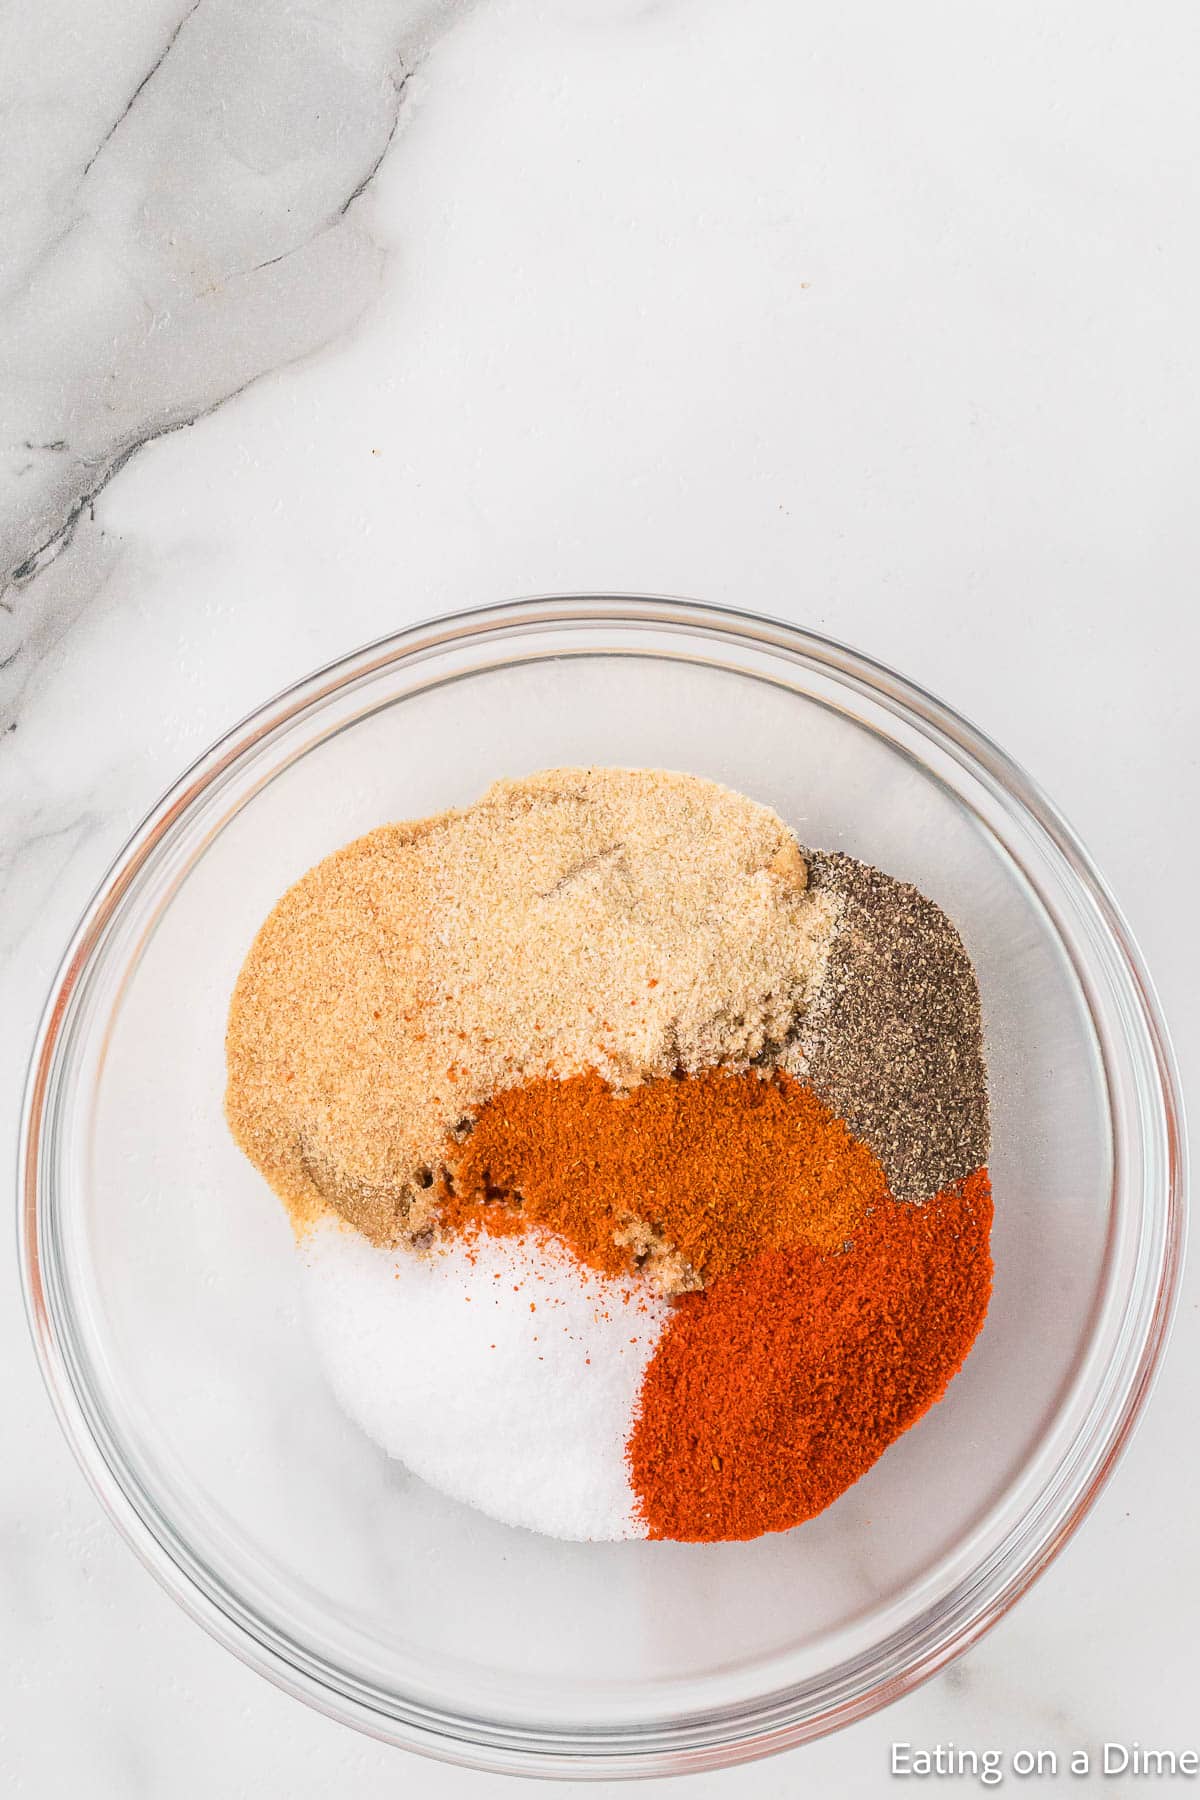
499, 1370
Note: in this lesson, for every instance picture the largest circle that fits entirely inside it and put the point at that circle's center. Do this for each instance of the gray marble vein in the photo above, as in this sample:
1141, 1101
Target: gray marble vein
201, 233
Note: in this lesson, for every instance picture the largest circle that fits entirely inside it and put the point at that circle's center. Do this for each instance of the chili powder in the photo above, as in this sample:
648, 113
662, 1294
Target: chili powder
692, 1176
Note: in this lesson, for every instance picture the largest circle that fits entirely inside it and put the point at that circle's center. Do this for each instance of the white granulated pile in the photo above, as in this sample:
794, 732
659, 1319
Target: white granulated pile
499, 1370
629, 921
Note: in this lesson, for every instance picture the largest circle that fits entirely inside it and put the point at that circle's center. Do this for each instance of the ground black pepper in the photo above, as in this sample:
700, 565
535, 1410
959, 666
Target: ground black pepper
893, 1040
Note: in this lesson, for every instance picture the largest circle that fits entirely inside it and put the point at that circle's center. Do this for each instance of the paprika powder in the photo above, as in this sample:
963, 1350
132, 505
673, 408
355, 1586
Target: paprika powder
769, 1394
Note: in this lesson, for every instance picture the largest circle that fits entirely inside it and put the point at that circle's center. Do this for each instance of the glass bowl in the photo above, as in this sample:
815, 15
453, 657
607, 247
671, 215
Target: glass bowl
163, 1286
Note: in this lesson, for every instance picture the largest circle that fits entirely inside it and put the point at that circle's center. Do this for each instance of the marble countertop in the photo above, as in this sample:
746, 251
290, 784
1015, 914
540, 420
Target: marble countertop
319, 319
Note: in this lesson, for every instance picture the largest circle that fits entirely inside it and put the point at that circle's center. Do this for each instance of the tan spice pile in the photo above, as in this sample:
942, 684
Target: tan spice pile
629, 922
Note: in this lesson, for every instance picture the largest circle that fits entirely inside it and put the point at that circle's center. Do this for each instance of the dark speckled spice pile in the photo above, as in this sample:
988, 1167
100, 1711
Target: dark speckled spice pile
892, 1042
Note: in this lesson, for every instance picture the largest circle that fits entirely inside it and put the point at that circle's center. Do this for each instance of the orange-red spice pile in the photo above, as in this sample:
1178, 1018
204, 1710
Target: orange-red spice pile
772, 1392
699, 1173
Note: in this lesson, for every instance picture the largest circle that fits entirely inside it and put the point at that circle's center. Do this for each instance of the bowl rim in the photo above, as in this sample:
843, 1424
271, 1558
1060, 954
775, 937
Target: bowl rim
585, 1754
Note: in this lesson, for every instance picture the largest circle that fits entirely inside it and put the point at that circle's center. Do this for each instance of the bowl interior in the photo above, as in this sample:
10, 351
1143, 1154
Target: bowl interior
179, 1274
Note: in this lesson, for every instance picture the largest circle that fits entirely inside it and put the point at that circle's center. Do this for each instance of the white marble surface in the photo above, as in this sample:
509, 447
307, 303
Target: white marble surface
881, 318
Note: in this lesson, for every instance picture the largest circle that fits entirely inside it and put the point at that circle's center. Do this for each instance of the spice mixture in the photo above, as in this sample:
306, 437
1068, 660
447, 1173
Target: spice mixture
637, 1154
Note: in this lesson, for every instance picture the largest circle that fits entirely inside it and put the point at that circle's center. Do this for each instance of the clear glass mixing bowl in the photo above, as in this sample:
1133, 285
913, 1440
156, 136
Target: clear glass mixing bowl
162, 1283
